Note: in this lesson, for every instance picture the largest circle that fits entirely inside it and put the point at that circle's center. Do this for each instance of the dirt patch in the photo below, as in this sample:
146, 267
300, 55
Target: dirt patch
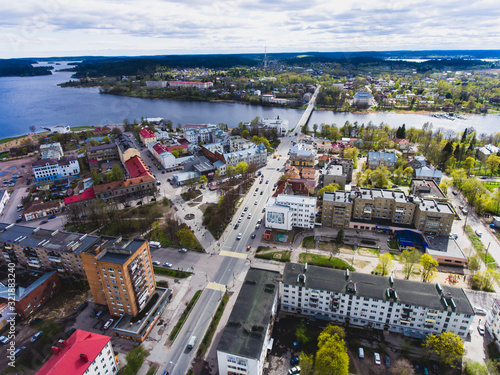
367, 253
344, 249
328, 246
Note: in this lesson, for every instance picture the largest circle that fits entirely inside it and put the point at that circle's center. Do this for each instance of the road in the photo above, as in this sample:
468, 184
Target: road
233, 252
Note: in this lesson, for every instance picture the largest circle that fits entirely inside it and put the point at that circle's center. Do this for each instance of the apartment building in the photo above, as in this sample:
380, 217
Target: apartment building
44, 249
240, 352
47, 170
426, 188
4, 198
412, 308
303, 155
128, 189
37, 209
238, 144
378, 159
334, 175
51, 151
202, 133
492, 323
104, 152
147, 136
126, 148
188, 84
287, 211
83, 353
161, 153
347, 167
370, 208
255, 154
120, 274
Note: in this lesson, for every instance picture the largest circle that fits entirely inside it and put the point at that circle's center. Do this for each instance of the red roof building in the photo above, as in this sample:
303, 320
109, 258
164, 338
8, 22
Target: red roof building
136, 167
83, 351
87, 194
147, 136
184, 147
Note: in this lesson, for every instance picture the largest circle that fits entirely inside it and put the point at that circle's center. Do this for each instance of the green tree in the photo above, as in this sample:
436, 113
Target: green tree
408, 171
428, 265
351, 153
385, 264
241, 168
306, 364
493, 162
315, 129
302, 334
474, 263
402, 367
175, 153
469, 164
106, 140
331, 357
340, 236
380, 177
203, 179
485, 279
448, 346
410, 260
115, 174
331, 187
475, 368
186, 237
245, 134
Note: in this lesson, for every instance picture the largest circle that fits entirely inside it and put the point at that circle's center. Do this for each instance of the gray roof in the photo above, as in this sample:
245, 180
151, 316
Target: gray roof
21, 292
101, 147
246, 328
426, 172
371, 286
118, 250
378, 155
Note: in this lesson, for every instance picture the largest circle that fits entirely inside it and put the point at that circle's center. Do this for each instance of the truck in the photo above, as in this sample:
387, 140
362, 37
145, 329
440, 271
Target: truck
191, 343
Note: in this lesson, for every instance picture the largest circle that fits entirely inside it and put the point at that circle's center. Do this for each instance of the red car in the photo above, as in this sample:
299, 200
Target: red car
248, 248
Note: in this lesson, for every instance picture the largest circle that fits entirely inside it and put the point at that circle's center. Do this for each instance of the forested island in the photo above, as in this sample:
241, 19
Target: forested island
22, 68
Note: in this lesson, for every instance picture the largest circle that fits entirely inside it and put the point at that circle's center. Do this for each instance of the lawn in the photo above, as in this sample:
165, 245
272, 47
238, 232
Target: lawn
324, 261
328, 246
479, 246
184, 316
491, 186
308, 242
368, 251
171, 273
205, 343
280, 256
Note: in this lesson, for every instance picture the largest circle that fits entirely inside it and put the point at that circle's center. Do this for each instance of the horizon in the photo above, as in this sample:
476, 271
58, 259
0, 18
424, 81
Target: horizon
106, 28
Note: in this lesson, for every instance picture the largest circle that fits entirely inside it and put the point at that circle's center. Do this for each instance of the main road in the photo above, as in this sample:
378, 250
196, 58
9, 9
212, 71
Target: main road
234, 254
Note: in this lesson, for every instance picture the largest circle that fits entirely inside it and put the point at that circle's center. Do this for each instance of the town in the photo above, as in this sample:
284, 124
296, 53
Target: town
268, 248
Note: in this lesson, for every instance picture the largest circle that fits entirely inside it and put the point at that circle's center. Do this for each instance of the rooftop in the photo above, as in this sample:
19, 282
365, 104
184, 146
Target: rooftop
371, 286
136, 167
22, 291
88, 193
118, 250
246, 329
146, 133
295, 199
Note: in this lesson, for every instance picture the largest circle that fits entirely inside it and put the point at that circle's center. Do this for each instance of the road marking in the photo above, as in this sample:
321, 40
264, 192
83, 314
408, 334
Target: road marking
233, 254
216, 286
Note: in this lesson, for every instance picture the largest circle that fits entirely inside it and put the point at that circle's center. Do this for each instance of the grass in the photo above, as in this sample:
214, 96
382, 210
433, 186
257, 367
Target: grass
262, 248
171, 273
324, 261
328, 246
491, 186
479, 247
184, 316
370, 250
152, 370
134, 358
5, 140
308, 242
207, 339
280, 256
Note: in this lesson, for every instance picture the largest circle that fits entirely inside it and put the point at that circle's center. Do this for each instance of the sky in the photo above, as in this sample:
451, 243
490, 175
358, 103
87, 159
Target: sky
43, 28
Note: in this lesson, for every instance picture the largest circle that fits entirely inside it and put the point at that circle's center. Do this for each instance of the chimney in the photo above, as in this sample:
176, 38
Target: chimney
84, 357
55, 350
63, 343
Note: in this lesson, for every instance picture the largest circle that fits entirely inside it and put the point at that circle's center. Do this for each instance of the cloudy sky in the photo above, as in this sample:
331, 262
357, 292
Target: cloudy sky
133, 27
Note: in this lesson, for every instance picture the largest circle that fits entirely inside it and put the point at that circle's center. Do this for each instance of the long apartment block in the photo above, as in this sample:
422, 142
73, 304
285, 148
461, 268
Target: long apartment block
364, 208
410, 307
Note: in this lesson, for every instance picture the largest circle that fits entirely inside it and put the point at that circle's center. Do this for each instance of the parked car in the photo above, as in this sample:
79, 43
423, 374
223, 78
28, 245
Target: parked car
36, 336
156, 263
376, 356
435, 368
51, 217
168, 265
478, 233
387, 361
294, 370
44, 222
479, 310
19, 218
249, 247
4, 340
253, 236
182, 250
108, 323
481, 330
239, 236
236, 226
35, 321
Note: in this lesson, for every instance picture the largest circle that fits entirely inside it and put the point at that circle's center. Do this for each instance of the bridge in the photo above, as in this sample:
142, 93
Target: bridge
307, 113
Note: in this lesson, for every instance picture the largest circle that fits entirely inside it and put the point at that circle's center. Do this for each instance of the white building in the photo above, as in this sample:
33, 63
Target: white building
84, 353
254, 154
238, 143
51, 151
203, 133
281, 126
187, 84
165, 158
46, 170
240, 352
493, 321
413, 308
4, 198
287, 211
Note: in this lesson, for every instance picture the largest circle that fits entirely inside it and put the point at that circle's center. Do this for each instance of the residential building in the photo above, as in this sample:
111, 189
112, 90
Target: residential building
363, 99
334, 174
83, 353
205, 134
6, 314
147, 136
484, 152
126, 148
281, 126
105, 152
308, 173
428, 173
403, 143
238, 351
415, 309
378, 159
4, 198
426, 188
303, 155
157, 84
164, 157
38, 209
492, 322
370, 209
238, 144
187, 84
136, 168
120, 274
30, 297
82, 198
128, 189
347, 167
52, 150
255, 154
47, 170
287, 211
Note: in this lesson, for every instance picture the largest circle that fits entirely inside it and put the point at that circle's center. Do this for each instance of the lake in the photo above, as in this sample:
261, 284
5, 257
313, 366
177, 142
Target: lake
38, 101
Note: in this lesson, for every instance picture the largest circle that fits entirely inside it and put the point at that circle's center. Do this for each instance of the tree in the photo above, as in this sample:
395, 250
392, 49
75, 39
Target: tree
331, 187
340, 236
475, 368
484, 280
32, 128
306, 364
448, 346
469, 164
106, 140
116, 131
493, 162
203, 179
408, 171
186, 237
351, 153
410, 259
315, 128
402, 367
245, 134
331, 357
474, 263
429, 270
380, 177
115, 174
302, 334
385, 264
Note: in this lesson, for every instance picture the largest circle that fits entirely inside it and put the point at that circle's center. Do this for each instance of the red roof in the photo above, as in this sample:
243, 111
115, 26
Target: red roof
88, 193
93, 162
146, 133
69, 361
169, 149
136, 168
159, 148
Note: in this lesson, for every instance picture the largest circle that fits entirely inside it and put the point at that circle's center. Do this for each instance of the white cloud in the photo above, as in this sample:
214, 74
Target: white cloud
69, 27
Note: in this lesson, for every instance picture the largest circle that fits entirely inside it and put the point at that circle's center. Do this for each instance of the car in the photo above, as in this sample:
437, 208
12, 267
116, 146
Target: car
260, 182
294, 370
294, 361
166, 372
277, 169
162, 172
69, 332
481, 330
479, 310
454, 192
257, 226
256, 203
478, 233
250, 215
238, 237
108, 324
35, 321
267, 181
236, 226
249, 247
239, 220
158, 183
454, 236
139, 203
243, 214
36, 336
416, 366
257, 189
156, 263
261, 193
387, 361
253, 236
376, 357
426, 370
4, 340
168, 265
51, 217
254, 194
259, 221
19, 351
246, 209
19, 218
435, 368
296, 345
182, 250
168, 179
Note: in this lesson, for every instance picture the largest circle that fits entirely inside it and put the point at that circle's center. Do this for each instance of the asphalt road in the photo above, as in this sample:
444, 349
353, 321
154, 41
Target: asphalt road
178, 359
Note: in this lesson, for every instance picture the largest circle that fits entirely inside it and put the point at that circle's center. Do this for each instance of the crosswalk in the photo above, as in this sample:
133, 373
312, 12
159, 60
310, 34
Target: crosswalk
215, 286
233, 254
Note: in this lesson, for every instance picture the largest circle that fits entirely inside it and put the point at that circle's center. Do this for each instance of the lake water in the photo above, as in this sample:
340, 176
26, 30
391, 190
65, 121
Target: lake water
38, 101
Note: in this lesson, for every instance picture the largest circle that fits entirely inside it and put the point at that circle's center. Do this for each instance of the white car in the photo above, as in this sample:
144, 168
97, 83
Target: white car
479, 310
168, 265
256, 203
481, 330
377, 358
239, 236
156, 263
478, 233
108, 323
250, 215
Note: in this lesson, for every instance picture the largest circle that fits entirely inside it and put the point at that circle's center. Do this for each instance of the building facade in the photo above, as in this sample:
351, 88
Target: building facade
412, 308
4, 198
51, 151
379, 159
302, 155
104, 152
38, 209
47, 170
131, 188
147, 136
126, 148
287, 211
165, 158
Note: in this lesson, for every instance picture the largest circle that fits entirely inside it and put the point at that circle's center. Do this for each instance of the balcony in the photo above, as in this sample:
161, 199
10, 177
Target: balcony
54, 259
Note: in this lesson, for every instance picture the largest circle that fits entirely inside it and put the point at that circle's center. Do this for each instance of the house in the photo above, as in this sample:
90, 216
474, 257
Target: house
105, 152
378, 159
85, 196
147, 136
131, 188
303, 155
38, 209
403, 143
30, 297
51, 151
428, 173
362, 99
334, 175
308, 173
161, 153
